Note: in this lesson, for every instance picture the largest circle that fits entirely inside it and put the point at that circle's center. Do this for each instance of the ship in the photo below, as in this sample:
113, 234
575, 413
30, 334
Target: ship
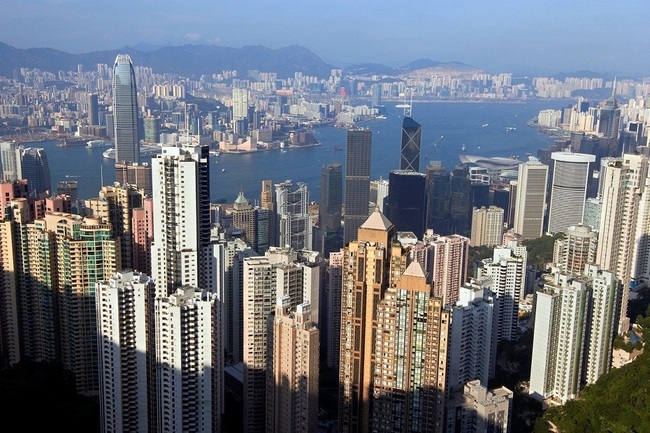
510, 129
72, 142
144, 151
91, 144
381, 116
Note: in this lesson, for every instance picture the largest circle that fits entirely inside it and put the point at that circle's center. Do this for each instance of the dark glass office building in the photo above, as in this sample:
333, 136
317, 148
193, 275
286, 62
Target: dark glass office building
406, 201
410, 149
357, 181
329, 207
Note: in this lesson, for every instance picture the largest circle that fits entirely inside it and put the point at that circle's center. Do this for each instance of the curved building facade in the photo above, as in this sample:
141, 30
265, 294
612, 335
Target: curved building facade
125, 111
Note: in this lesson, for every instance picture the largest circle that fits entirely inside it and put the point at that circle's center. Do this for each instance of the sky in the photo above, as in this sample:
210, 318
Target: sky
519, 36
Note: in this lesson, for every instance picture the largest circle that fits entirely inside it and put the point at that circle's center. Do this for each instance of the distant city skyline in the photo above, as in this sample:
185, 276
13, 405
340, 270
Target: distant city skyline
500, 36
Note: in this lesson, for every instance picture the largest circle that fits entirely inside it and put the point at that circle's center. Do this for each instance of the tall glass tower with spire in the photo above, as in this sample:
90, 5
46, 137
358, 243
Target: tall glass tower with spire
125, 111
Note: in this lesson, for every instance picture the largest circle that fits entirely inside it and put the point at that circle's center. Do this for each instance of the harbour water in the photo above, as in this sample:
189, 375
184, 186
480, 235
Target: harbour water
484, 129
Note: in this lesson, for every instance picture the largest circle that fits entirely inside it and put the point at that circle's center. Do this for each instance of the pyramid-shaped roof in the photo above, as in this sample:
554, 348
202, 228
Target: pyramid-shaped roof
377, 221
415, 270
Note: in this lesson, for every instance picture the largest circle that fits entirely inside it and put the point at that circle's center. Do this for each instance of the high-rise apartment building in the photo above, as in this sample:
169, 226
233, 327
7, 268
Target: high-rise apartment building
138, 175
530, 203
357, 181
575, 323
333, 308
571, 174
123, 351
240, 104
125, 111
10, 159
623, 184
295, 224
280, 272
487, 226
447, 265
188, 361
410, 356
253, 222
507, 269
473, 335
181, 227
410, 145
576, 249
394, 334
292, 400
115, 205
142, 226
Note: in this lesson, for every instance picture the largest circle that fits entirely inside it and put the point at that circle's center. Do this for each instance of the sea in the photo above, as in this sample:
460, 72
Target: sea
480, 128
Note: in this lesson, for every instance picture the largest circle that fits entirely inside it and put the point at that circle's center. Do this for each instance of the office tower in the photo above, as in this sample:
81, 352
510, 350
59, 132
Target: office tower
487, 226
410, 361
110, 125
378, 193
333, 305
330, 206
123, 351
576, 249
575, 324
364, 282
10, 158
406, 201
512, 204
438, 199
474, 408
571, 173
181, 227
142, 224
448, 265
410, 145
357, 181
138, 175
93, 109
33, 166
292, 403
472, 335
281, 271
530, 202
254, 223
295, 224
376, 95
609, 116
623, 185
460, 212
188, 370
115, 205
125, 111
507, 269
593, 209
267, 201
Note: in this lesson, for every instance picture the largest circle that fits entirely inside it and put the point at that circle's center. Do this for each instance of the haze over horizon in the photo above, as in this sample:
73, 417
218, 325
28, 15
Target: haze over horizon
499, 36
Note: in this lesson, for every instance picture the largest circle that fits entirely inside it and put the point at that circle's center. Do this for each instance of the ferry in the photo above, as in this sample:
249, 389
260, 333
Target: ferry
381, 116
98, 143
144, 151
510, 129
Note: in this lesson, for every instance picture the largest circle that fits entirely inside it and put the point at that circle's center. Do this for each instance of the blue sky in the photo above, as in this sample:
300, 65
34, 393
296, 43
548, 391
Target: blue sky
524, 36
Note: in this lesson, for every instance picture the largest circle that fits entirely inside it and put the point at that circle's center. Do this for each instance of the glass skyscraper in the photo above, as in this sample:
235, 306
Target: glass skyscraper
125, 111
410, 149
357, 181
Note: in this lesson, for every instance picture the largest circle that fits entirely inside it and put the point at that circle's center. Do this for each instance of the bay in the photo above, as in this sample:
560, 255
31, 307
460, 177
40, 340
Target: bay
446, 127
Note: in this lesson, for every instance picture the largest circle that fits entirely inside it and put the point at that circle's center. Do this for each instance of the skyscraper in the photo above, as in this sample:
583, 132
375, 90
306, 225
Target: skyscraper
530, 199
571, 173
179, 254
406, 201
125, 111
487, 226
357, 181
295, 224
329, 207
34, 167
410, 148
